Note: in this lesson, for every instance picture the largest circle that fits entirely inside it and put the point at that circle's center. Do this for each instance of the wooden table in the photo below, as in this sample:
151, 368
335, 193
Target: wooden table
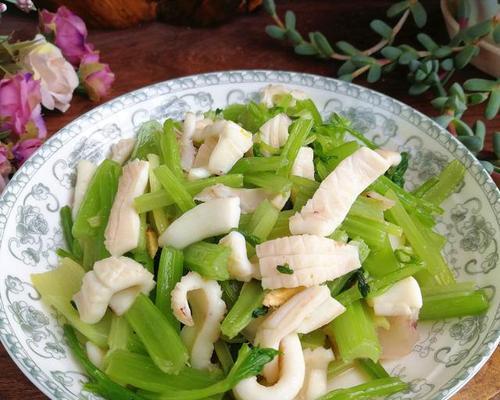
155, 52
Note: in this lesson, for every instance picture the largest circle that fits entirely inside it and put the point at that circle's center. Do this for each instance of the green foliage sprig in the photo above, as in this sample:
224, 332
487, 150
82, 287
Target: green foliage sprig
429, 68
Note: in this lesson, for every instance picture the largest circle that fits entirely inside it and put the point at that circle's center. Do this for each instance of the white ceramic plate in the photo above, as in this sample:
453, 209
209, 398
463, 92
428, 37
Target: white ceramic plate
449, 352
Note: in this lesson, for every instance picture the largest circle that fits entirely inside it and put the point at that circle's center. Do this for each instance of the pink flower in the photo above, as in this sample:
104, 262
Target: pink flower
20, 106
68, 31
5, 167
24, 149
95, 76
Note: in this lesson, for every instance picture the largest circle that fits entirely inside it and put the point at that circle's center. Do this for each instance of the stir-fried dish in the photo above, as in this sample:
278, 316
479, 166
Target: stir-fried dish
255, 252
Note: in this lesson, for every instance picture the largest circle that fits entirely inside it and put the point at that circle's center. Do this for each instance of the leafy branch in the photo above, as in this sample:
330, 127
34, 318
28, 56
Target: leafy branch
430, 67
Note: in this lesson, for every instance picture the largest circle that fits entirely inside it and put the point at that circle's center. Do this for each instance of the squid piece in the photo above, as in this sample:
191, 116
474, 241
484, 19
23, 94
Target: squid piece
123, 230
403, 299
305, 312
199, 169
111, 277
249, 198
95, 354
304, 163
270, 93
121, 150
215, 217
239, 266
202, 324
291, 375
85, 170
316, 380
274, 132
312, 260
328, 207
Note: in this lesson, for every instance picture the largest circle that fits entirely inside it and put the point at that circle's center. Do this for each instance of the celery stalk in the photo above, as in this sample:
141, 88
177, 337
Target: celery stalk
367, 208
373, 369
67, 226
159, 215
141, 372
263, 220
96, 205
208, 259
257, 164
298, 133
454, 304
251, 297
282, 226
160, 198
355, 334
57, 288
340, 153
148, 139
154, 330
338, 284
175, 188
119, 333
313, 339
170, 149
269, 181
383, 226
447, 182
357, 227
230, 292
424, 187
338, 366
424, 249
169, 273
224, 355
370, 390
381, 259
308, 108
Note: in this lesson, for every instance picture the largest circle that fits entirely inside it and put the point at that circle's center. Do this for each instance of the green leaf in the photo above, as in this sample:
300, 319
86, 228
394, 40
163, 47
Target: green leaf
493, 105
322, 44
284, 269
473, 143
443, 51
290, 20
479, 30
496, 144
480, 130
397, 8
381, 28
477, 98
346, 68
407, 56
443, 120
496, 33
275, 32
347, 48
346, 77
427, 42
270, 7
305, 49
463, 57
457, 90
439, 102
374, 73
462, 128
391, 52
447, 64
360, 60
479, 85
418, 13
294, 36
418, 88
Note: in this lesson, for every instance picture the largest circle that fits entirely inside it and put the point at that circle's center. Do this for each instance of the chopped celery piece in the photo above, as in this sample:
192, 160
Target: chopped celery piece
355, 334
119, 333
367, 208
454, 304
159, 215
230, 292
298, 133
251, 297
257, 164
224, 355
97, 202
170, 149
338, 366
67, 227
383, 226
250, 362
327, 137
396, 173
250, 116
313, 339
338, 154
373, 369
175, 188
154, 330
147, 140
447, 182
99, 382
339, 235
424, 187
363, 249
160, 198
282, 226
364, 228
263, 220
425, 250
141, 372
370, 390
269, 181
57, 288
306, 109
338, 284
169, 273
208, 259
140, 253
468, 286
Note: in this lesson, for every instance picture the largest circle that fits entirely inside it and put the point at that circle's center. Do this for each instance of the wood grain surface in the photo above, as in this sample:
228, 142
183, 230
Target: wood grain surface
155, 52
